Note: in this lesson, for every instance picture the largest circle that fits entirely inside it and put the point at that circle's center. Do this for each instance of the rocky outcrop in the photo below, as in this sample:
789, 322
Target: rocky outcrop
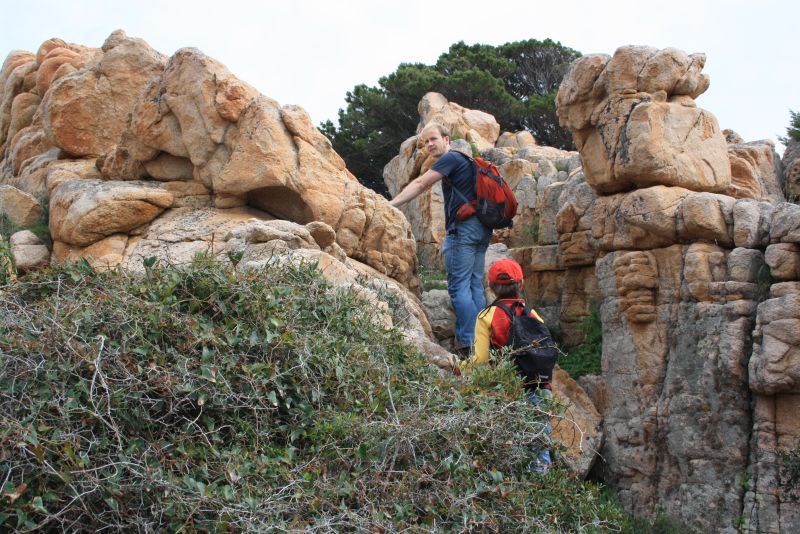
441, 315
476, 127
755, 171
675, 356
28, 251
578, 427
680, 236
791, 170
684, 237
86, 112
19, 207
120, 137
635, 122
83, 212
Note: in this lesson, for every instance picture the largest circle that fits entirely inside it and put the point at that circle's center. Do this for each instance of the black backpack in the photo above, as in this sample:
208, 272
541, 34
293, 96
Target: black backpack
532, 347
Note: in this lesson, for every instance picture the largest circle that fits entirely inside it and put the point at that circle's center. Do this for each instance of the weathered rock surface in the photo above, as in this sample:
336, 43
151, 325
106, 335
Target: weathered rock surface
20, 208
83, 212
791, 170
440, 314
775, 364
477, 127
86, 112
28, 251
699, 371
635, 123
579, 428
182, 132
23, 109
755, 171
516, 140
674, 370
17, 66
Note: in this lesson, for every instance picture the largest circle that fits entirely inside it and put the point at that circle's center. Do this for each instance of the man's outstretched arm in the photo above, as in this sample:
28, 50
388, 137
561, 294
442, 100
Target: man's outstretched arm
416, 187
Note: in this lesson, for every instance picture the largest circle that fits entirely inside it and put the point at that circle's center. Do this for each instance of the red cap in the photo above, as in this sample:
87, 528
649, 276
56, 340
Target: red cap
504, 272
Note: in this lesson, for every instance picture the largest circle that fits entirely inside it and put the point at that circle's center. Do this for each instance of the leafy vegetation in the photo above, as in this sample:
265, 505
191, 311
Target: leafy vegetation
204, 399
6, 262
562, 165
530, 232
431, 278
516, 82
585, 358
789, 462
793, 130
660, 524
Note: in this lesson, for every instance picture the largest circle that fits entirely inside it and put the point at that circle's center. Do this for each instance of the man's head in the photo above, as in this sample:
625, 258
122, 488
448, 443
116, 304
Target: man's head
505, 278
436, 139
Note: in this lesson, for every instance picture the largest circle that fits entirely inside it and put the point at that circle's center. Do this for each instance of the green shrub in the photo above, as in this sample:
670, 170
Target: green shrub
475, 152
6, 261
7, 227
201, 399
432, 278
585, 358
789, 463
530, 232
793, 130
42, 226
660, 524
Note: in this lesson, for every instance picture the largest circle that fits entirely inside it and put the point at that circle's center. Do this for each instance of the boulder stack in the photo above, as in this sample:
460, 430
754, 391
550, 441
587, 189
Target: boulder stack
118, 138
693, 252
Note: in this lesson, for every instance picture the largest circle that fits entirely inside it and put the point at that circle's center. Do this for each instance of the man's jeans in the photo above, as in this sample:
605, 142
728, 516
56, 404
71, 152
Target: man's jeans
464, 253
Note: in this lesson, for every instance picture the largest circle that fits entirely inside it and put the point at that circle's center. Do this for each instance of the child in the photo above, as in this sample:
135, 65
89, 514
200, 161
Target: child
492, 329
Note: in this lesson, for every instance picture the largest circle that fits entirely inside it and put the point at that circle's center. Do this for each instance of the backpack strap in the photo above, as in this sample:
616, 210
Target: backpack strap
498, 304
510, 309
453, 184
526, 310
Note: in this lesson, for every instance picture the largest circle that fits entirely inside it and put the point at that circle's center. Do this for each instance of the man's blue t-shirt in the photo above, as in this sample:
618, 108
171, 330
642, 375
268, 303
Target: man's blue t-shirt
459, 173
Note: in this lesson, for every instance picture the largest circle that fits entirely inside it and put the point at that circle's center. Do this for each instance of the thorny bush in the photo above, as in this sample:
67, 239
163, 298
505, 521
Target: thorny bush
204, 399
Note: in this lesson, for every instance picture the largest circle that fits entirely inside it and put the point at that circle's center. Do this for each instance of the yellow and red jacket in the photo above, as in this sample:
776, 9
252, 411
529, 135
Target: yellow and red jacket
491, 331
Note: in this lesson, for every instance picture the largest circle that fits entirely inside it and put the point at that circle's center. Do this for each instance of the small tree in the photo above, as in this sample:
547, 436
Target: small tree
793, 130
516, 82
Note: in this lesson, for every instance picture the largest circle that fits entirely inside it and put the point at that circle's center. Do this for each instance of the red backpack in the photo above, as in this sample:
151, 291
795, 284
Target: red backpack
496, 204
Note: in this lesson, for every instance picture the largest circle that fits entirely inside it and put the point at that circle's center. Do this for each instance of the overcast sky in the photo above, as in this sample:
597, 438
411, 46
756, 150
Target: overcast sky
311, 52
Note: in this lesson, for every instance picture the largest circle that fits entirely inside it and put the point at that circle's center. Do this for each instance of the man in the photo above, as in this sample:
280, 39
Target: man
466, 241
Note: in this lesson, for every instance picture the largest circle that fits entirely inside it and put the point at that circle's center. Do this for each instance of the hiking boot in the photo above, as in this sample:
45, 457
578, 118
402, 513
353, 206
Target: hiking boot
538, 468
462, 353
